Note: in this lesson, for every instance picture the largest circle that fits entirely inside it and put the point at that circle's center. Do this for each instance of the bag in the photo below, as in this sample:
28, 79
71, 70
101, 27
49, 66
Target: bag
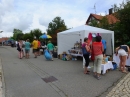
84, 51
47, 55
18, 47
64, 57
114, 65
55, 54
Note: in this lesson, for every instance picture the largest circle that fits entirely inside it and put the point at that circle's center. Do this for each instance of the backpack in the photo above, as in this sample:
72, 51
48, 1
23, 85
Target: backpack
18, 47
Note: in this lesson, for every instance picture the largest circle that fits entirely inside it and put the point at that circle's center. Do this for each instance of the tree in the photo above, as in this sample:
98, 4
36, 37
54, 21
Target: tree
36, 33
122, 28
57, 25
28, 36
17, 34
104, 23
94, 23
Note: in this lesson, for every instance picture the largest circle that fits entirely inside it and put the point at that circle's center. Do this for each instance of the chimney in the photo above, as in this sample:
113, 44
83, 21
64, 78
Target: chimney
110, 11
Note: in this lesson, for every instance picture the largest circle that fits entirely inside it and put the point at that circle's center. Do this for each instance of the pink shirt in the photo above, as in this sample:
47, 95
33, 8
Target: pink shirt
86, 44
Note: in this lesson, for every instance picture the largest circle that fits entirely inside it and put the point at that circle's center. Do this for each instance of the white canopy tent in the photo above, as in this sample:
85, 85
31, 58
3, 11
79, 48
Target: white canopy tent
68, 38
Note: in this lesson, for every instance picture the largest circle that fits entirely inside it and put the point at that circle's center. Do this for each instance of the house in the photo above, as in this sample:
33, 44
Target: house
110, 17
4, 39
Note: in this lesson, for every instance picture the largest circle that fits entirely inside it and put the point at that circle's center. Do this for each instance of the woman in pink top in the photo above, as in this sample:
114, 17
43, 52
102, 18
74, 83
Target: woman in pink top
86, 52
98, 54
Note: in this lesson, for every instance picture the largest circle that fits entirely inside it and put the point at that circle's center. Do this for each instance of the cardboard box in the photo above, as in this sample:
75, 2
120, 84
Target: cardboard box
60, 56
68, 57
110, 59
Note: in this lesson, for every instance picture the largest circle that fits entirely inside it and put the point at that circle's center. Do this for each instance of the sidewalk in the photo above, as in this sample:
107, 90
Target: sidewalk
1, 92
122, 89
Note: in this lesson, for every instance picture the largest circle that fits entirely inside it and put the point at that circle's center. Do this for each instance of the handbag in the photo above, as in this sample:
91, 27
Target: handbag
84, 51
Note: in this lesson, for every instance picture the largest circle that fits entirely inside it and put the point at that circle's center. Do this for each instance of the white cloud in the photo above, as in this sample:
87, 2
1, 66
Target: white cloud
6, 5
27, 15
36, 25
19, 21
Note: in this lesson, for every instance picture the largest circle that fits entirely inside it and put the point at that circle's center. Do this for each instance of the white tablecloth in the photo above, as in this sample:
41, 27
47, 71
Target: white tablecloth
76, 55
117, 60
106, 66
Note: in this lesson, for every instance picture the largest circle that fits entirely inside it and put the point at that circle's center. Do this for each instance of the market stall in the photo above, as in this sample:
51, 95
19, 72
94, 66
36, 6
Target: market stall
68, 38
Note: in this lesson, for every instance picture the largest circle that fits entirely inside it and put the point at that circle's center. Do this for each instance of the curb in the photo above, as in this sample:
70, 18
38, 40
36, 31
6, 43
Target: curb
2, 84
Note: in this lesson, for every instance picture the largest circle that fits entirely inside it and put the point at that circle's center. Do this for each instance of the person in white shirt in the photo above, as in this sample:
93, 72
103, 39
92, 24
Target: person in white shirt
123, 52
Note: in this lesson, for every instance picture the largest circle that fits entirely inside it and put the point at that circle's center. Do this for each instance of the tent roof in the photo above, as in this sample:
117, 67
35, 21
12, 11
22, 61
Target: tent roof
86, 28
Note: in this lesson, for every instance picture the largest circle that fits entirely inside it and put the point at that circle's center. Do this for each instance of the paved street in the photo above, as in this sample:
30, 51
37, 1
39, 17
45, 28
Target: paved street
26, 77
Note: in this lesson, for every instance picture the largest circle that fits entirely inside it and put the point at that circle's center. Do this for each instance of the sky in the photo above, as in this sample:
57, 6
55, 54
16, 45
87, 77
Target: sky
28, 15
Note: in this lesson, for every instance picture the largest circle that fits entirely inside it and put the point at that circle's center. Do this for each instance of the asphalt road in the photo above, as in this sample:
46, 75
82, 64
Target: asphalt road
27, 77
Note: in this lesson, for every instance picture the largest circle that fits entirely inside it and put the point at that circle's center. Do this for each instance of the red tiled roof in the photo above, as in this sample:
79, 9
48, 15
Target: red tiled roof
98, 17
111, 18
4, 38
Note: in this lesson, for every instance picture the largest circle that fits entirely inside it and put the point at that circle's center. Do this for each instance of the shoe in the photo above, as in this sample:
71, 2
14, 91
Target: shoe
124, 72
98, 77
87, 73
35, 57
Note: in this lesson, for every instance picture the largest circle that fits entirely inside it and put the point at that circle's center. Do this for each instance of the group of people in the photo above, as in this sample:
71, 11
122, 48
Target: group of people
36, 45
97, 51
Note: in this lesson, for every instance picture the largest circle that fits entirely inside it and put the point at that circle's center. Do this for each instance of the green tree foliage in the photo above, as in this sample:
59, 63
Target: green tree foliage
57, 25
122, 28
28, 36
104, 23
94, 23
17, 34
36, 33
